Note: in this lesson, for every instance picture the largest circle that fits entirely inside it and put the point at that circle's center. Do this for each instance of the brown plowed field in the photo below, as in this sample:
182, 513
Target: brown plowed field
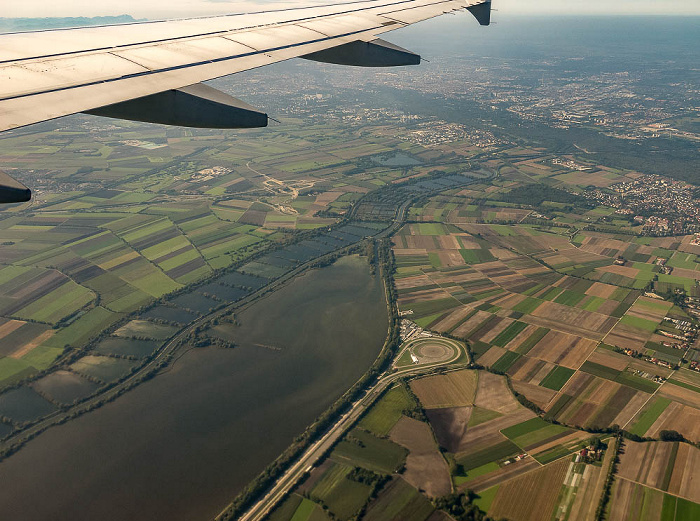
491, 356
620, 270
680, 418
426, 469
626, 502
629, 410
448, 242
574, 323
529, 369
609, 359
413, 282
449, 425
509, 300
563, 349
680, 394
540, 395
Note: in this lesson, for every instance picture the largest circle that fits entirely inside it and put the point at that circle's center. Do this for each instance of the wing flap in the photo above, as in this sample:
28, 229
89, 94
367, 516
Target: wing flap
343, 24
185, 53
60, 73
274, 38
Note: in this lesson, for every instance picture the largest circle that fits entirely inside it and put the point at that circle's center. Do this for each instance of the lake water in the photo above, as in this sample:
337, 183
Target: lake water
180, 446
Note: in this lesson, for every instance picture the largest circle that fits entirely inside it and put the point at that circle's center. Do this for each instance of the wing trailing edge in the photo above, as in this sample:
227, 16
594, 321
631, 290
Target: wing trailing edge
197, 106
12, 191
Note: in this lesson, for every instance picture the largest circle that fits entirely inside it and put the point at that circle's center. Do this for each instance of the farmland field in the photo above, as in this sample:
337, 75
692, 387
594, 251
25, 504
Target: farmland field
531, 497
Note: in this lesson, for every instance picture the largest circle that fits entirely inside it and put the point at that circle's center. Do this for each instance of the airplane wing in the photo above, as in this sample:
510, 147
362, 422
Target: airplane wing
152, 71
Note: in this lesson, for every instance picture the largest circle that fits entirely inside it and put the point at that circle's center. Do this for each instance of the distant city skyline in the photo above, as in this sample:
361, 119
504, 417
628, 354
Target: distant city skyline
177, 8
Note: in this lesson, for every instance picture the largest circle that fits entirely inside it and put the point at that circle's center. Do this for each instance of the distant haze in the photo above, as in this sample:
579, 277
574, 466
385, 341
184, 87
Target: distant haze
177, 8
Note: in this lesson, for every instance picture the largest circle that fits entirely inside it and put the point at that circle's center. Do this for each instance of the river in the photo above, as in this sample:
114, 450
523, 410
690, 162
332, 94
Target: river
180, 446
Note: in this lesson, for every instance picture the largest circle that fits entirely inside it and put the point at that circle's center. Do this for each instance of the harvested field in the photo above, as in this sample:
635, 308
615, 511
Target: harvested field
539, 395
471, 324
589, 401
453, 389
609, 359
627, 501
493, 393
530, 497
426, 469
451, 320
669, 466
587, 495
563, 349
530, 370
492, 333
571, 320
680, 394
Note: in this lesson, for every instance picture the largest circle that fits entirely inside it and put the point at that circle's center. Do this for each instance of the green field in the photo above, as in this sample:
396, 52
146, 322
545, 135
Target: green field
639, 323
530, 342
557, 378
476, 256
399, 501
360, 448
569, 298
387, 411
506, 361
600, 370
480, 415
509, 333
649, 415
528, 305
339, 493
500, 451
533, 431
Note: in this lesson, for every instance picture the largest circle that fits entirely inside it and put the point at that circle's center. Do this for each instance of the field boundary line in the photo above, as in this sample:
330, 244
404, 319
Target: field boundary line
617, 475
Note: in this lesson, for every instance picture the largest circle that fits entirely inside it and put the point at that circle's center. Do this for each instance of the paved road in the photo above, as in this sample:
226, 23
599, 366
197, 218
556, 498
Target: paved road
316, 451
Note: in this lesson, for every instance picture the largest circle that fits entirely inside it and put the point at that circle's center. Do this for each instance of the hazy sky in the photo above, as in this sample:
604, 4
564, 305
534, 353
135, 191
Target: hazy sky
175, 8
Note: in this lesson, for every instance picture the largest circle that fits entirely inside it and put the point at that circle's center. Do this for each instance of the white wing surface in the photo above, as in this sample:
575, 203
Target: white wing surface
53, 73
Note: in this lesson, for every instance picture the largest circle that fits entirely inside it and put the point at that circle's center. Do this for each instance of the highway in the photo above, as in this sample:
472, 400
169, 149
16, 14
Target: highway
316, 451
